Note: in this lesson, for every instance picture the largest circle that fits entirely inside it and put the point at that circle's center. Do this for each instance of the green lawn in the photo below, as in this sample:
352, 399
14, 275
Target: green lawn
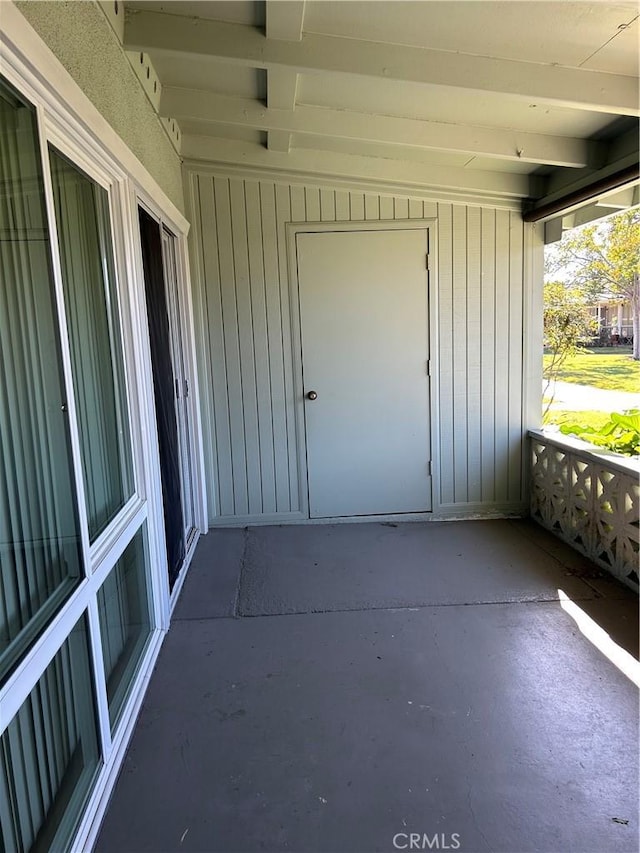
612, 369
585, 418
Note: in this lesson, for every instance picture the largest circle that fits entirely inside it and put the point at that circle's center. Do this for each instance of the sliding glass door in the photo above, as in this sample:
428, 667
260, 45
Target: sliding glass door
171, 388
40, 534
76, 578
88, 279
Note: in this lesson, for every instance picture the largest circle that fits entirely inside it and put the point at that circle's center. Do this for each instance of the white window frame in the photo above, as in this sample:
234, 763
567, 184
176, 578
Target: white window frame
68, 120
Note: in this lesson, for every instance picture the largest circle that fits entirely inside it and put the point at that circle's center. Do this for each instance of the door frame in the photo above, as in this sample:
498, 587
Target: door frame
140, 199
292, 231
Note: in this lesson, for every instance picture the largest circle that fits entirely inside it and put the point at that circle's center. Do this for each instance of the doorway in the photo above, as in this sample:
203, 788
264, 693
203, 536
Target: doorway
364, 323
171, 388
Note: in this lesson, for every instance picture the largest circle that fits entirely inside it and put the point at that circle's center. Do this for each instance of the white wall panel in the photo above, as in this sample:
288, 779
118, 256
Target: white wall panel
240, 239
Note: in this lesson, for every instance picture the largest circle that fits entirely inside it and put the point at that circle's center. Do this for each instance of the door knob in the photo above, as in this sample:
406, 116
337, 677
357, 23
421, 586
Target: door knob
312, 395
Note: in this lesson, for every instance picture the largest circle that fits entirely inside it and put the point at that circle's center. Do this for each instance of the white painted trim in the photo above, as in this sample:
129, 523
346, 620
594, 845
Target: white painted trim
99, 679
153, 209
42, 651
292, 229
200, 331
369, 174
434, 364
532, 310
189, 343
133, 357
65, 350
107, 544
179, 582
362, 225
148, 425
79, 154
127, 530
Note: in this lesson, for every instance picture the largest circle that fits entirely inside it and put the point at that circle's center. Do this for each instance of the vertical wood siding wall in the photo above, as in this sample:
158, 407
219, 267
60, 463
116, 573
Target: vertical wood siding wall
241, 278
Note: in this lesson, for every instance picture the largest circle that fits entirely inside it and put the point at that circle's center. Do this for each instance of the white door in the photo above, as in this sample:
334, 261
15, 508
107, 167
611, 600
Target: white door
365, 350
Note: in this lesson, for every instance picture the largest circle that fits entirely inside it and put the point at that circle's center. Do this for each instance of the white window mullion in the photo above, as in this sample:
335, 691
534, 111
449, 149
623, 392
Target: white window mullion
21, 681
100, 684
127, 305
70, 403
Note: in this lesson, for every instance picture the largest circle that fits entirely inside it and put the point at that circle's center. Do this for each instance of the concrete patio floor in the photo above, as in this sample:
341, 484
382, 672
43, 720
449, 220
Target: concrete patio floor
336, 688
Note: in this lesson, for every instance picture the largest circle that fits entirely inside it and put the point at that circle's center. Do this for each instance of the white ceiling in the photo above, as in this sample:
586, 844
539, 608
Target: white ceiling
464, 89
565, 33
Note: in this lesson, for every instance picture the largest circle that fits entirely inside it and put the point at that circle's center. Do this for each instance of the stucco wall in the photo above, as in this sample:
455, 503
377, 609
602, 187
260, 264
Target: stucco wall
80, 36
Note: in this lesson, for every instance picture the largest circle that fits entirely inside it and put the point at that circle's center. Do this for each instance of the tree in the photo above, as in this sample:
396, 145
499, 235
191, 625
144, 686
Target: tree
567, 322
603, 258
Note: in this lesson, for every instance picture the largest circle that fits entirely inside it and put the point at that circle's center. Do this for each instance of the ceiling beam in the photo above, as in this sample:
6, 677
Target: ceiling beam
279, 140
282, 86
350, 168
199, 106
551, 84
284, 19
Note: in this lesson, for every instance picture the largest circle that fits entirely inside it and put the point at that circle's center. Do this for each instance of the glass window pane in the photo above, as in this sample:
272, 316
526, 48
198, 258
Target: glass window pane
84, 235
49, 754
40, 553
125, 625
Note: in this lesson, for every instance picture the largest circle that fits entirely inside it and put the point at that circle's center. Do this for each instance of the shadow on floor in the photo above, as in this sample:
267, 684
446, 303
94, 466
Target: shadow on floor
335, 688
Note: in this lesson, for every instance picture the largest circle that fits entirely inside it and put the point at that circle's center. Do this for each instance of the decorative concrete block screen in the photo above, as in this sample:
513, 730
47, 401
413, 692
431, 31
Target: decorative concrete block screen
590, 500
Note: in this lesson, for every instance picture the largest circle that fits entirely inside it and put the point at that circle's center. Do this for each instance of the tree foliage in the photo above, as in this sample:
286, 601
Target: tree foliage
603, 260
567, 323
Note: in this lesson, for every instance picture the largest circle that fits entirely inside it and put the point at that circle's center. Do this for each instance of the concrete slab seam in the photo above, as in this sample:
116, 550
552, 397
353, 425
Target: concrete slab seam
245, 547
391, 609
